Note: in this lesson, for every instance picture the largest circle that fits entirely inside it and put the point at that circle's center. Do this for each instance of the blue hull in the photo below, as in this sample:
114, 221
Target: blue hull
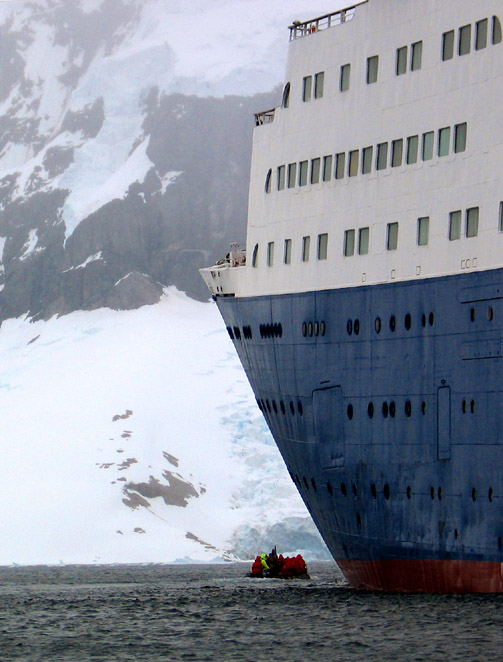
386, 403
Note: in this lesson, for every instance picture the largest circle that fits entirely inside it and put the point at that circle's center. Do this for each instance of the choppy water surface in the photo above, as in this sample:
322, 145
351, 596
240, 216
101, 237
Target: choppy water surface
215, 613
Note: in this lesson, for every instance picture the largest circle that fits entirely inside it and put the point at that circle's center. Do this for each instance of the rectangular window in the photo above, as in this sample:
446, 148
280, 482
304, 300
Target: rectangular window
460, 131
292, 174
281, 177
465, 38
270, 253
353, 163
500, 223
481, 34
345, 77
319, 81
401, 60
349, 243
448, 45
307, 84
315, 171
416, 56
382, 156
327, 168
367, 153
363, 241
412, 149
397, 153
392, 237
428, 139
472, 222
303, 167
287, 257
306, 244
340, 163
454, 225
372, 69
444, 141
423, 229
322, 246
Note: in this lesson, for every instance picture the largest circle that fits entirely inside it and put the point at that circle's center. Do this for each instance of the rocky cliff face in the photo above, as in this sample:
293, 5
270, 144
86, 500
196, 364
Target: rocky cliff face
111, 184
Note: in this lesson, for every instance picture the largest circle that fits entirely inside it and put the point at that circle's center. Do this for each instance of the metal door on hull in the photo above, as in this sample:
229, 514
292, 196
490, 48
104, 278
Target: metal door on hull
328, 426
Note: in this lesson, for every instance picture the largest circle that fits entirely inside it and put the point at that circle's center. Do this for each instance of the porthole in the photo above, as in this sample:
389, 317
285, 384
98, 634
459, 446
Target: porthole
456, 534
297, 479
408, 322
300, 409
431, 319
282, 407
316, 328
392, 409
322, 328
305, 482
355, 490
237, 333
490, 494
373, 491
500, 543
464, 406
432, 492
330, 488
472, 314
268, 405
349, 327
385, 409
386, 492
313, 483
259, 404
358, 519
423, 408
310, 329
231, 334
350, 412
274, 406
423, 320
472, 406
392, 323
490, 314
474, 494
280, 330
292, 408
377, 325
344, 489
408, 409
439, 493
409, 492
356, 327
370, 410
304, 329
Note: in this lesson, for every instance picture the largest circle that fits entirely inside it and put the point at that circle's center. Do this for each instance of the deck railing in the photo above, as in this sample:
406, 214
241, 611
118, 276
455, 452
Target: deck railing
265, 117
298, 29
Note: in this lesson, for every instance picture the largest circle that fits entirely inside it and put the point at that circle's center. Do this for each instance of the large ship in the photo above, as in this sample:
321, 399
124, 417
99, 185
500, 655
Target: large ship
367, 309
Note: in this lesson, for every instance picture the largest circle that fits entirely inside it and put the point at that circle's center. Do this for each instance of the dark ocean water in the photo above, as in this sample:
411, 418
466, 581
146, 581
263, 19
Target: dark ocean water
205, 612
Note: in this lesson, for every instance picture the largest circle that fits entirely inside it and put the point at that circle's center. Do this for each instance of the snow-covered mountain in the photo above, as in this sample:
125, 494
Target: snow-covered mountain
125, 134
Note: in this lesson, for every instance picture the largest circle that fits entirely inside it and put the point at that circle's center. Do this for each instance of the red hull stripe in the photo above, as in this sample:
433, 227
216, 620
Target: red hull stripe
424, 576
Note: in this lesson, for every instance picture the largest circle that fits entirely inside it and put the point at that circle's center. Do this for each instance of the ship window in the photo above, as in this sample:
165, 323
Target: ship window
353, 163
322, 246
401, 60
255, 255
500, 223
409, 492
416, 56
363, 241
377, 325
423, 227
408, 409
382, 156
465, 37
386, 492
474, 494
397, 153
370, 410
367, 160
490, 494
460, 131
428, 145
448, 45
373, 491
490, 314
286, 96
423, 408
444, 141
472, 222
345, 77
454, 225
307, 84
481, 34
496, 39
340, 162
303, 167
292, 408
287, 257
300, 409
392, 324
349, 243
319, 81
350, 412
270, 254
385, 409
281, 177
392, 237
306, 244
372, 69
292, 172
315, 171
412, 149
330, 488
268, 181
344, 489
327, 168
407, 321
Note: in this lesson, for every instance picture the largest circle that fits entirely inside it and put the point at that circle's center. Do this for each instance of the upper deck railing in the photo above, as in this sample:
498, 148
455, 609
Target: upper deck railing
298, 29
